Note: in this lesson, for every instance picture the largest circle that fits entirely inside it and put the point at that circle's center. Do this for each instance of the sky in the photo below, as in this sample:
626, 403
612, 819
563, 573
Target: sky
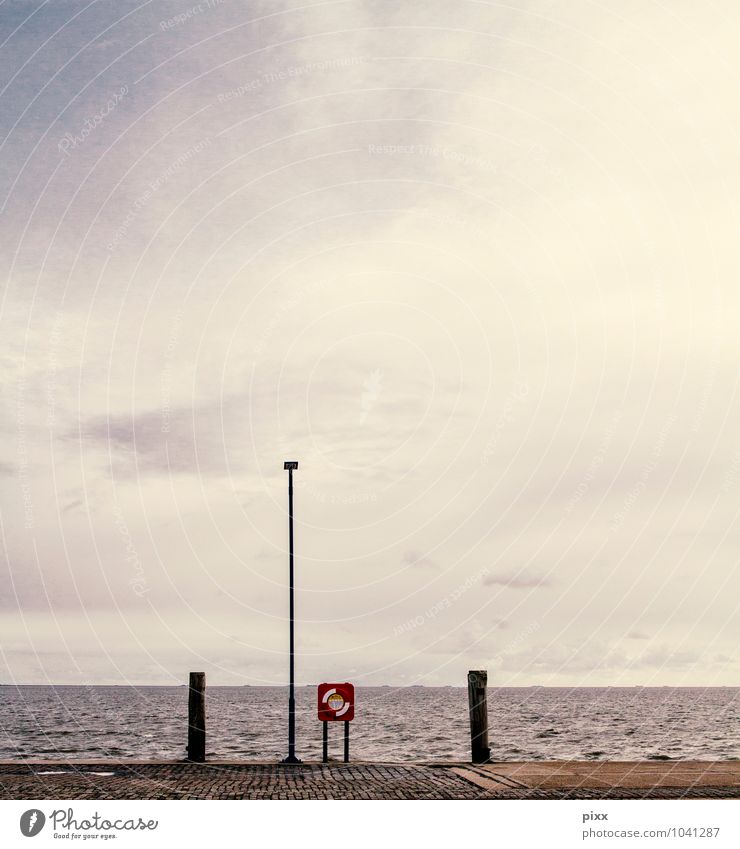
473, 264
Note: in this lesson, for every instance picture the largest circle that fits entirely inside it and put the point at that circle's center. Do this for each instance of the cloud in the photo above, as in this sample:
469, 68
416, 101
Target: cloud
517, 581
179, 440
416, 558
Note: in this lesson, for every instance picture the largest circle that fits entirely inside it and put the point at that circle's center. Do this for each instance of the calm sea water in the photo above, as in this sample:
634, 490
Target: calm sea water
410, 723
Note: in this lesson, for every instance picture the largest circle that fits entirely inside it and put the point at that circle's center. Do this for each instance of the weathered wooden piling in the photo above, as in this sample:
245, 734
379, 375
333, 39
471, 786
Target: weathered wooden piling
197, 717
477, 681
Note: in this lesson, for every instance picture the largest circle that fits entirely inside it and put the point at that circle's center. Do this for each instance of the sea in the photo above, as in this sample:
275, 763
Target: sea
391, 724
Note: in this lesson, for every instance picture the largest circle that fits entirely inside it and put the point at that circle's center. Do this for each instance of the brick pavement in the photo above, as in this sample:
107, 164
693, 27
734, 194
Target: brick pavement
231, 781
539, 780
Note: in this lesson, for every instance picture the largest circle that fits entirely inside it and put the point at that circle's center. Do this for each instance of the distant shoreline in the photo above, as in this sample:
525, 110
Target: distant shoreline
418, 686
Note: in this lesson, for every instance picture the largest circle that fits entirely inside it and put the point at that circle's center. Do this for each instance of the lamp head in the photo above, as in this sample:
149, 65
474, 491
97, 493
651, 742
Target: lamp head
289, 465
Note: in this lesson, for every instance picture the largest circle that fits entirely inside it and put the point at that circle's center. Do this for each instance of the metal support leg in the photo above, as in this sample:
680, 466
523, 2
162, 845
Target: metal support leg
346, 742
325, 758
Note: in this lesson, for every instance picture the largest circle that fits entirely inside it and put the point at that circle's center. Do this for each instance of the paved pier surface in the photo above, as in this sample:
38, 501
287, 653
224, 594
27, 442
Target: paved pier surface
235, 780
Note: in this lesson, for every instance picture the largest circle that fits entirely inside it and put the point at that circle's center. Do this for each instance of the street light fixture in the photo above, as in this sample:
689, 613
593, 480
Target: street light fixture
290, 466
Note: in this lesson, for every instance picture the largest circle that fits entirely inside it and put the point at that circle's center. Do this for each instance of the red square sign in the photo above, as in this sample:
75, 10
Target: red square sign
336, 702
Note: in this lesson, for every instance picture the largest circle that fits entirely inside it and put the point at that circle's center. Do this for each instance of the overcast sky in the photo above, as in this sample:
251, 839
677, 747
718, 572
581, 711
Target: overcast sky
474, 265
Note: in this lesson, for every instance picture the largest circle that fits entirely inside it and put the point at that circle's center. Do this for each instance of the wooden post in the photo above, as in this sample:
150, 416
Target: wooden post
477, 680
197, 717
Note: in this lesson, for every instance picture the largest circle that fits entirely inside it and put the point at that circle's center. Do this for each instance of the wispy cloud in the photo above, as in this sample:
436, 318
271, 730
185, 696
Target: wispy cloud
517, 580
417, 558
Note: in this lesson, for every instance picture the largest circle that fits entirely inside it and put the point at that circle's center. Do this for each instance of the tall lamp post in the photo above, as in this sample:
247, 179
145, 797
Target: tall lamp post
290, 466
